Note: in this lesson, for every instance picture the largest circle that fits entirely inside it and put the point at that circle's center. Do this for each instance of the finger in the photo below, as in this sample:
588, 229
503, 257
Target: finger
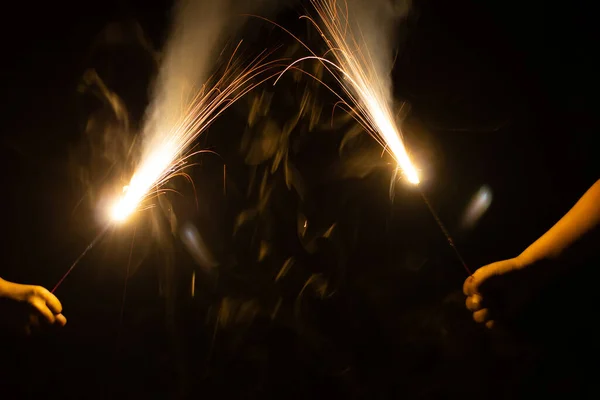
34, 320
43, 309
473, 283
474, 302
60, 320
51, 300
490, 324
467, 285
481, 316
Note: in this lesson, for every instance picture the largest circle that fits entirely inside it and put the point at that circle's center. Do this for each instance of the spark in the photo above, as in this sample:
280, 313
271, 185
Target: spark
357, 74
164, 156
369, 102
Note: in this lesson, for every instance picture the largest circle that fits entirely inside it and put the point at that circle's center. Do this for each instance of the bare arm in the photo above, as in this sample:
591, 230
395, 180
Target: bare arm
582, 218
4, 288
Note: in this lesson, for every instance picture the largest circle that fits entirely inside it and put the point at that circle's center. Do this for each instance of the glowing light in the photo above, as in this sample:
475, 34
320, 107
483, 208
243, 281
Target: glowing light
162, 157
356, 72
150, 172
477, 207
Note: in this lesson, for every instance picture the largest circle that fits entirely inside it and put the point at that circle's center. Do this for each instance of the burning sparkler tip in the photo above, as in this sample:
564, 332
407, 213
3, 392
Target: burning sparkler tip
414, 179
410, 174
119, 213
121, 210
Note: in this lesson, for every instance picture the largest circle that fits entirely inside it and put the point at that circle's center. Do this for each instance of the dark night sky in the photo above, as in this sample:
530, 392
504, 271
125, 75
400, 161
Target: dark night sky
502, 94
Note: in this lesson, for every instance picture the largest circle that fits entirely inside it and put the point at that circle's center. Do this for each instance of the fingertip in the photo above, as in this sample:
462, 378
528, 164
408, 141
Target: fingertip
473, 302
61, 320
490, 324
50, 318
481, 316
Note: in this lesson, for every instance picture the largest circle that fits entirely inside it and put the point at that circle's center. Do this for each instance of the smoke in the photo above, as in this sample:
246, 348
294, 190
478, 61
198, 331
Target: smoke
199, 33
374, 24
201, 42
360, 36
188, 58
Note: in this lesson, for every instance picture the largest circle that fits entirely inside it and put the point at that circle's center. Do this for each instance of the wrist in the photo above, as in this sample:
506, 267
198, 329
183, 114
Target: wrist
522, 261
9, 289
3, 288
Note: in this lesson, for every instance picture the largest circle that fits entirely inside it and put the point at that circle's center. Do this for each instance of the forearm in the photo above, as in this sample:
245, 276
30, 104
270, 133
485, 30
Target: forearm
3, 288
582, 218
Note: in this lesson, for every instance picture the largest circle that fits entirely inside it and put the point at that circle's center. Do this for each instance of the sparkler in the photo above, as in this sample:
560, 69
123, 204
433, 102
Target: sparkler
356, 72
165, 153
87, 249
162, 158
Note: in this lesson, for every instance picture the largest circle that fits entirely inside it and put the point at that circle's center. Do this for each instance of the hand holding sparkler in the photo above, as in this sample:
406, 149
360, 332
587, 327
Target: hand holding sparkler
482, 299
28, 307
479, 289
166, 152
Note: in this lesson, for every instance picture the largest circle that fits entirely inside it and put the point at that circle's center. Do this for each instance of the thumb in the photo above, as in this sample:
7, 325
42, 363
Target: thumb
473, 283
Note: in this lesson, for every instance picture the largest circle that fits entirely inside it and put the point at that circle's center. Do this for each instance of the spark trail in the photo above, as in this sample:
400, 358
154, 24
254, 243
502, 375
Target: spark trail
186, 100
164, 157
360, 76
179, 112
354, 34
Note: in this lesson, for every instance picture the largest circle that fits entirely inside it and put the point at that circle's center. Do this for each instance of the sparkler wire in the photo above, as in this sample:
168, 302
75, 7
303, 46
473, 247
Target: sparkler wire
446, 233
206, 106
87, 249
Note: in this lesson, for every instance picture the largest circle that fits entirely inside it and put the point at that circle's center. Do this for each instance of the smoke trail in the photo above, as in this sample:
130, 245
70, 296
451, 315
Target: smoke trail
199, 31
189, 55
373, 25
358, 37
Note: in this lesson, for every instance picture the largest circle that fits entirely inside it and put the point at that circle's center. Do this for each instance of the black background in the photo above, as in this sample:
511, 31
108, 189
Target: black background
502, 94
